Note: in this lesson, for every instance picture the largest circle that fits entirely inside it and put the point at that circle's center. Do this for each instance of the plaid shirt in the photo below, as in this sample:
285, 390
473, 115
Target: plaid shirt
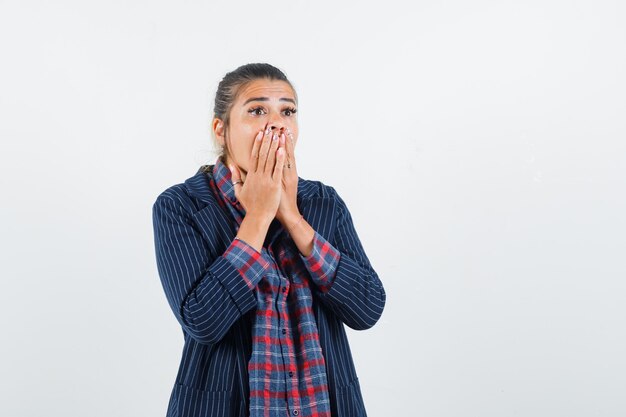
287, 371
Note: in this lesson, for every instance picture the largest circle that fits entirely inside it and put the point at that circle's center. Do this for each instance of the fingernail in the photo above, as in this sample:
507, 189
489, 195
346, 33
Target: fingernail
259, 135
275, 136
282, 139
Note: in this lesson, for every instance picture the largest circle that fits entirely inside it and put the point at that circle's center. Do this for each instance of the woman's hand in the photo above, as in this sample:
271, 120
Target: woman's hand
288, 212
261, 193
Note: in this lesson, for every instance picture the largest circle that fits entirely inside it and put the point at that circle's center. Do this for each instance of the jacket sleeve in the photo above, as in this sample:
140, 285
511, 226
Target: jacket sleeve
345, 280
207, 294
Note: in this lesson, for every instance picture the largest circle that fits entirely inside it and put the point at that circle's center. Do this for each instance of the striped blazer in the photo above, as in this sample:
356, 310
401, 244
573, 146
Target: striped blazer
215, 307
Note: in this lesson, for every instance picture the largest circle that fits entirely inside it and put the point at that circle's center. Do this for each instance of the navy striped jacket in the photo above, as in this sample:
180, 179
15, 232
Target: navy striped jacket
215, 306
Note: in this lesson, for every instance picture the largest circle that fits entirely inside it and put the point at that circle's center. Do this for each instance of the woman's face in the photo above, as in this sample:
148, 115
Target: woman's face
260, 104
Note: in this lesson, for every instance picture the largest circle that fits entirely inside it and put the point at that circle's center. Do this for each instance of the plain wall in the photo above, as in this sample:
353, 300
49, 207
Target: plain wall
480, 147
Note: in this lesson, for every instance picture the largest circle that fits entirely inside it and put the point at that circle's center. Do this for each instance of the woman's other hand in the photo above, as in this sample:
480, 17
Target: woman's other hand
288, 207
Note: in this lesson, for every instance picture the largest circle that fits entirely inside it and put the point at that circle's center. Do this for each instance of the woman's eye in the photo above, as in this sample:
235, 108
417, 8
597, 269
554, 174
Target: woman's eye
291, 110
254, 110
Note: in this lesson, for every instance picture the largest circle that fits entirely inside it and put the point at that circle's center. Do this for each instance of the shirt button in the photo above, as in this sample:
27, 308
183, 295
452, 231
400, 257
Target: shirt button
290, 373
284, 331
284, 289
296, 412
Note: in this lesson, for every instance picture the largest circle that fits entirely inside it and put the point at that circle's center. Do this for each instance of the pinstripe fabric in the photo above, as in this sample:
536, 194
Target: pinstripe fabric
287, 370
216, 306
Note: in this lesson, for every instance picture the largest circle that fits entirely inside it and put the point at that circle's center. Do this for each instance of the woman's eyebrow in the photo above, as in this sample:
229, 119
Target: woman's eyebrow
267, 99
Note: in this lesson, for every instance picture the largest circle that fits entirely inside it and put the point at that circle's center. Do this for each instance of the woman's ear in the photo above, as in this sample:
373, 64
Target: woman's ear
218, 129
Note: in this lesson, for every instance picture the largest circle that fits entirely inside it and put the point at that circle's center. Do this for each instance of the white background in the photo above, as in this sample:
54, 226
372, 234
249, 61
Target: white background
480, 147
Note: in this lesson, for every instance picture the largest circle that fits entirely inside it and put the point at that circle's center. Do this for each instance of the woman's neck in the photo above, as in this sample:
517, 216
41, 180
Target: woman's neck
228, 162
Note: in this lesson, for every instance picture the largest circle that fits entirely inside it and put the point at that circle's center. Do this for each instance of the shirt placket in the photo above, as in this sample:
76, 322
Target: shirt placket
285, 338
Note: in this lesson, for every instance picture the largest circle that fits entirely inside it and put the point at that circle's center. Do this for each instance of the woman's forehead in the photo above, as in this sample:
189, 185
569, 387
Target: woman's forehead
272, 90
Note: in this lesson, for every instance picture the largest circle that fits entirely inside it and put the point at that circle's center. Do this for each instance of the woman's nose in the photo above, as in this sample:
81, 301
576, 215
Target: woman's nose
276, 127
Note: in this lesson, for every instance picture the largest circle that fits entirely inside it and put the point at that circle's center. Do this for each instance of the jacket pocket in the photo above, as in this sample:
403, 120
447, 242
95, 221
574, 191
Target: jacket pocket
193, 402
350, 401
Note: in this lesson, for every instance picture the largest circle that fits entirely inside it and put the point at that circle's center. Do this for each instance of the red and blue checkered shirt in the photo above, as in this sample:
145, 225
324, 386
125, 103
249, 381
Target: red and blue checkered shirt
287, 372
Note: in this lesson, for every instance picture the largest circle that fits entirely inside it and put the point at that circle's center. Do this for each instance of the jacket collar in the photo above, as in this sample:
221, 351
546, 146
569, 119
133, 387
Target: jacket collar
199, 185
316, 209
315, 204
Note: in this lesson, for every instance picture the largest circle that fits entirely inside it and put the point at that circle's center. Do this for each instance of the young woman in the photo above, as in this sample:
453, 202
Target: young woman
262, 269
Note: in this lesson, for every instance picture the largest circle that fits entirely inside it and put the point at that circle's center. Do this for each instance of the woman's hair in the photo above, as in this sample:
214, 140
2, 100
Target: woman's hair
228, 90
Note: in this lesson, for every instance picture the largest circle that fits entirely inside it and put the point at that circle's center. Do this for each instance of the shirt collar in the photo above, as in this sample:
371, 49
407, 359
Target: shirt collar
223, 179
